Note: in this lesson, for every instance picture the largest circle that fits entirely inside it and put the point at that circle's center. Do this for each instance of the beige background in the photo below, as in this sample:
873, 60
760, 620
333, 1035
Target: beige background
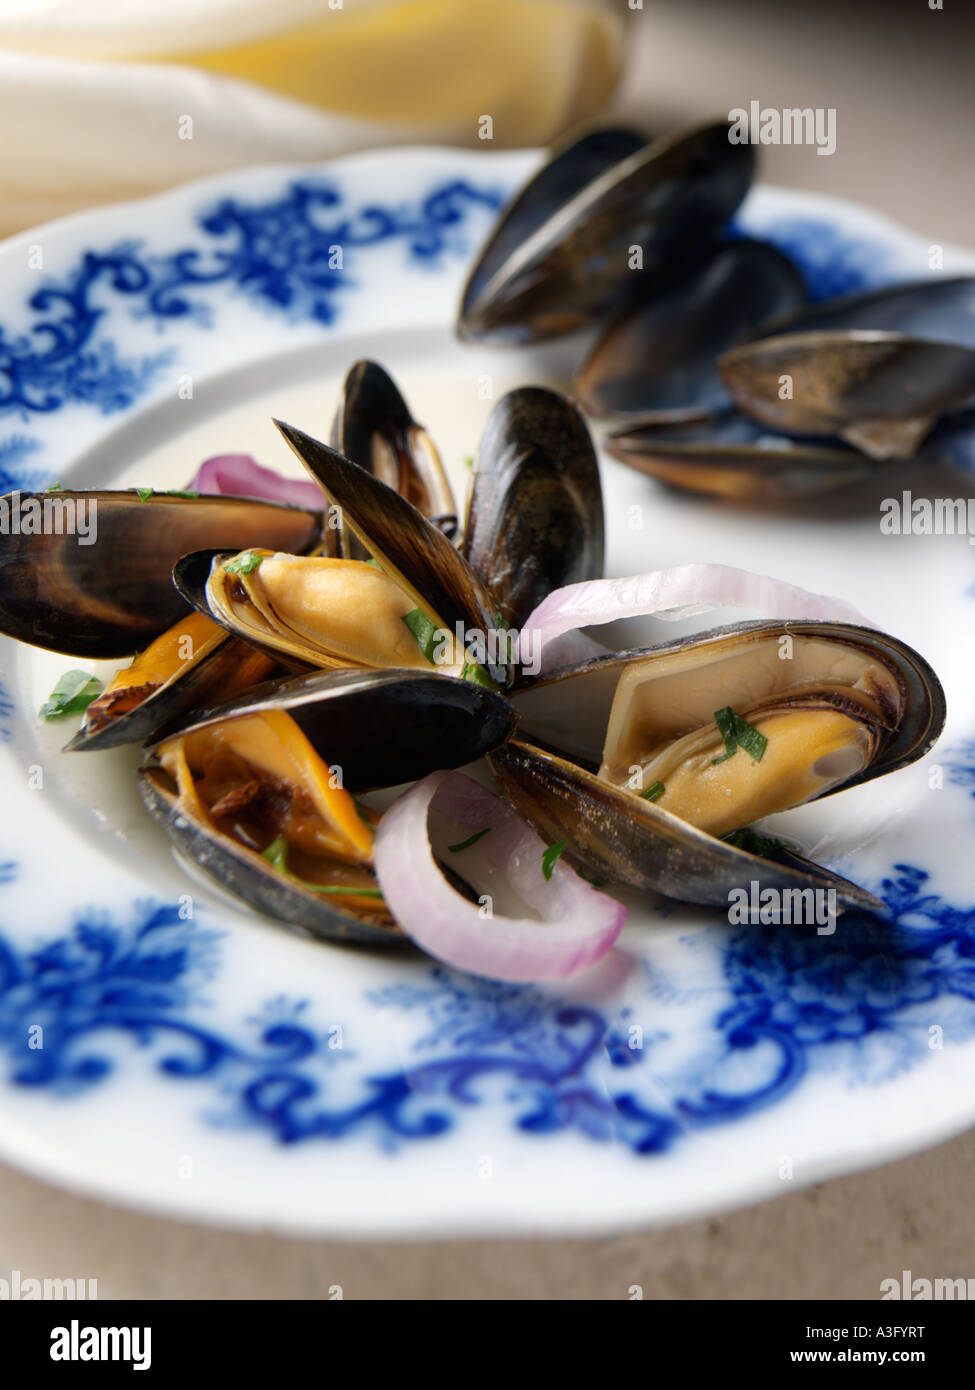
899, 76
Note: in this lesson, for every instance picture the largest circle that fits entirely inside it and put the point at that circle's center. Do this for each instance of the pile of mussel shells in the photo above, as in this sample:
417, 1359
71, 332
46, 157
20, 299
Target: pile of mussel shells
284, 668
714, 372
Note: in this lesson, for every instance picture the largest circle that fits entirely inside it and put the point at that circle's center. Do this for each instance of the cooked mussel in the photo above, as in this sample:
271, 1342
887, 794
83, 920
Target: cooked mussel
570, 168
535, 522
259, 791
684, 745
317, 611
374, 428
732, 457
556, 265
882, 392
535, 517
660, 355
193, 662
876, 369
111, 594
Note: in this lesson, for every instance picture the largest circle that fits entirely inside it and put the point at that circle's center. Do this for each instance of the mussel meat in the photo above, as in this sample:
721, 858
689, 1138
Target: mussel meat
258, 791
685, 745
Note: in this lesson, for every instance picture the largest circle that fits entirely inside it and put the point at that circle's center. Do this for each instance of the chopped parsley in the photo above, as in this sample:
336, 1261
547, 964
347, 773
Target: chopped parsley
180, 492
276, 855
54, 487
424, 629
243, 564
473, 672
73, 694
552, 856
738, 733
471, 840
654, 792
144, 493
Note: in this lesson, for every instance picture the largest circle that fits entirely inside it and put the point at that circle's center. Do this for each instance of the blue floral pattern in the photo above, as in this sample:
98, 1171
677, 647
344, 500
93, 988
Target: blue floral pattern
872, 992
292, 255
833, 263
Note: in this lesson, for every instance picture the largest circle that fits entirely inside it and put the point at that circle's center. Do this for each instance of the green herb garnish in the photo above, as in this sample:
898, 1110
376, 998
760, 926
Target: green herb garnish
73, 694
276, 855
54, 487
243, 564
180, 492
552, 856
471, 671
471, 840
144, 493
469, 460
652, 793
738, 733
424, 629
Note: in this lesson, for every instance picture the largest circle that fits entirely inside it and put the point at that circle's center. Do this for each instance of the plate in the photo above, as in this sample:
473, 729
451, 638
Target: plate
164, 1048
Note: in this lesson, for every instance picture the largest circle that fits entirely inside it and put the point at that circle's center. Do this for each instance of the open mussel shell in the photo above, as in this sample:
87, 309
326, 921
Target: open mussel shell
240, 872
584, 732
578, 264
408, 547
661, 354
569, 709
880, 391
380, 728
112, 596
617, 836
735, 458
132, 716
374, 428
535, 518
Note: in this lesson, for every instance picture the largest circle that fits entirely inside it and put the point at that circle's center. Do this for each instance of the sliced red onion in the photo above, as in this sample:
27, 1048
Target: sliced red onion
678, 592
239, 475
578, 926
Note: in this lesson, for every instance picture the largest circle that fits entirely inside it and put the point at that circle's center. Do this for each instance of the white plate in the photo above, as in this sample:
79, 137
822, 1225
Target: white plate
192, 1064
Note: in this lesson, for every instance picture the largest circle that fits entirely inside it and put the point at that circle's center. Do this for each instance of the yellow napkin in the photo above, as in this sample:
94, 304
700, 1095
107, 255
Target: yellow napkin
112, 99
